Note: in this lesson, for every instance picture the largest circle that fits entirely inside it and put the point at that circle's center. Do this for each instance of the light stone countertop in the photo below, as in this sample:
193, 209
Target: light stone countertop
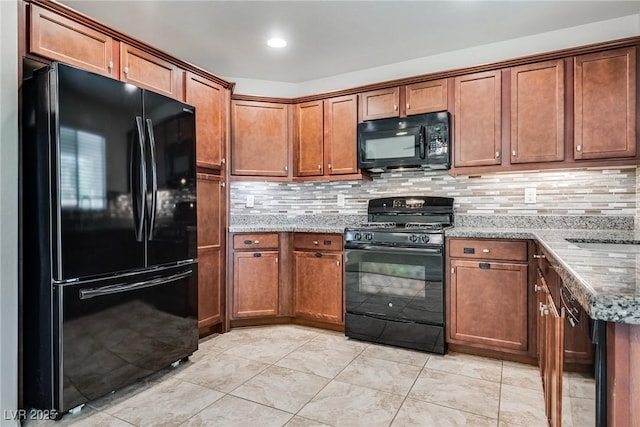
607, 284
604, 282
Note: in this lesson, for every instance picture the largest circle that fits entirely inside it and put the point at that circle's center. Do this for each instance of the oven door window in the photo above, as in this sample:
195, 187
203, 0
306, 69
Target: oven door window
395, 285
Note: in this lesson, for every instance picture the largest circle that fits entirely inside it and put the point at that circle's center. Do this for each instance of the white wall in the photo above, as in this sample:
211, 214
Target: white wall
8, 211
611, 29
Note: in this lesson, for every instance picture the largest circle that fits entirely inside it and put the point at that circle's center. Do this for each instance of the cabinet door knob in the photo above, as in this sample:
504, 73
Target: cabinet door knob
453, 270
395, 108
286, 168
537, 288
126, 71
541, 256
513, 153
315, 242
497, 154
223, 160
319, 167
338, 263
544, 310
110, 66
407, 105
276, 260
579, 148
256, 241
329, 165
222, 184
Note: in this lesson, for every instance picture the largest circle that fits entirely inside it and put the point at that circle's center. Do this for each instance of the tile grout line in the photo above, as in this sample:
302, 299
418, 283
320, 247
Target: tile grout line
409, 391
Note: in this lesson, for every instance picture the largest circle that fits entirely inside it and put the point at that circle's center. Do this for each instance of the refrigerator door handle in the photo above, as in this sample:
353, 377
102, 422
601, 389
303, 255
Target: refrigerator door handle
126, 287
154, 179
143, 180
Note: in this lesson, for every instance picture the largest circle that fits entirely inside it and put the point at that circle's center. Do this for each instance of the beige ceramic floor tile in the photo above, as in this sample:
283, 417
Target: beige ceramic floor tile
221, 371
100, 419
579, 385
583, 412
281, 388
267, 350
471, 366
325, 356
341, 404
567, 419
383, 375
304, 422
232, 411
394, 354
521, 375
522, 406
417, 413
231, 339
166, 404
474, 395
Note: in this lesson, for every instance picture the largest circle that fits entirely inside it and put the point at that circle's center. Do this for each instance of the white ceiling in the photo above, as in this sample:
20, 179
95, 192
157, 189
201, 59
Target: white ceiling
327, 38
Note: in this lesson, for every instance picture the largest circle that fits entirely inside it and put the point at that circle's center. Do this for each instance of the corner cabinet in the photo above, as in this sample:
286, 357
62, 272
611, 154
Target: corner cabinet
256, 275
318, 277
259, 138
487, 294
605, 104
478, 119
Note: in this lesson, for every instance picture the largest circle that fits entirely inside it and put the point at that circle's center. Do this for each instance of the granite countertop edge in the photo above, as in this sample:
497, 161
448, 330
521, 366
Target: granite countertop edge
612, 306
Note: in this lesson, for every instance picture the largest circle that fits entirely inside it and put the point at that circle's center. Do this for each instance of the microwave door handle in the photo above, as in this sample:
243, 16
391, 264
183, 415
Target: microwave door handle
422, 143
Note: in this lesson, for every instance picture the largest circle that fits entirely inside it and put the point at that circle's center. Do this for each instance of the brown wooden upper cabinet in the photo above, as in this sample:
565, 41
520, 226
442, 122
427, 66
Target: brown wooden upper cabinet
325, 141
309, 139
417, 98
605, 104
259, 138
58, 38
537, 112
150, 72
478, 119
209, 98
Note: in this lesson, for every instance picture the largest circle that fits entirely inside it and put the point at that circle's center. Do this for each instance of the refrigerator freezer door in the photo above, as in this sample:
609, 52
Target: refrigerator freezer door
171, 180
117, 331
96, 175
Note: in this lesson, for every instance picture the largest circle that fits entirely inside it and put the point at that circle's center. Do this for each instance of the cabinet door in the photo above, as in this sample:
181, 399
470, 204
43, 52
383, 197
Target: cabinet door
605, 104
147, 71
478, 121
380, 104
489, 304
426, 97
340, 135
211, 219
58, 38
555, 350
537, 112
259, 139
210, 279
318, 285
255, 284
209, 98
309, 129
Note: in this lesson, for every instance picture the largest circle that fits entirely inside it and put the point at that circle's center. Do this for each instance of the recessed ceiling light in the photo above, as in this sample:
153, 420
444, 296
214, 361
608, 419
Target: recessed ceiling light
277, 42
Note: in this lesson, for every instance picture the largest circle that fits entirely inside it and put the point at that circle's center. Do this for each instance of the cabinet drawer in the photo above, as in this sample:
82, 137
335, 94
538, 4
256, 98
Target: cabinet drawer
488, 249
325, 242
255, 241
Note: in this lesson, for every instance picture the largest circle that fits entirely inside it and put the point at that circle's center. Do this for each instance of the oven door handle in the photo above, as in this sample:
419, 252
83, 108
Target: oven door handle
396, 250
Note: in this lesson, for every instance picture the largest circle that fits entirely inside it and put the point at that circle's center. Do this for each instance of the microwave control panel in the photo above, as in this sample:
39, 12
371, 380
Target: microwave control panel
438, 139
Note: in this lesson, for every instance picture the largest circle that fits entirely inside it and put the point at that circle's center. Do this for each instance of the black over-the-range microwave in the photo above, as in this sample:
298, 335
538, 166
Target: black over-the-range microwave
422, 141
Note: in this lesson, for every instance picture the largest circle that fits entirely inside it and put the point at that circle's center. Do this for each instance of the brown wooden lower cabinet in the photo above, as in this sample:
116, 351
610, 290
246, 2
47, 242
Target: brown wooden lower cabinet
255, 284
317, 282
209, 286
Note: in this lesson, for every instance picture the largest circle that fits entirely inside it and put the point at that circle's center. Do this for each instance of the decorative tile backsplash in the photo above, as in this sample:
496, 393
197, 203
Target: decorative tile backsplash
586, 191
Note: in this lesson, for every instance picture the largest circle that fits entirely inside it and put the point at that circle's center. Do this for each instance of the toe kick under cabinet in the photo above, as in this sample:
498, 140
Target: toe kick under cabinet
487, 294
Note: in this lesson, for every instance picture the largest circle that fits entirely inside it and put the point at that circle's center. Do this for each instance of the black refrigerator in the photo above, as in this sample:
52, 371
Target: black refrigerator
109, 235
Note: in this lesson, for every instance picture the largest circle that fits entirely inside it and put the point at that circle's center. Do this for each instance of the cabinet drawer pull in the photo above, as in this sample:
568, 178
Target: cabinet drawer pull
257, 255
484, 266
541, 256
256, 241
315, 242
327, 242
469, 250
248, 242
318, 255
485, 251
